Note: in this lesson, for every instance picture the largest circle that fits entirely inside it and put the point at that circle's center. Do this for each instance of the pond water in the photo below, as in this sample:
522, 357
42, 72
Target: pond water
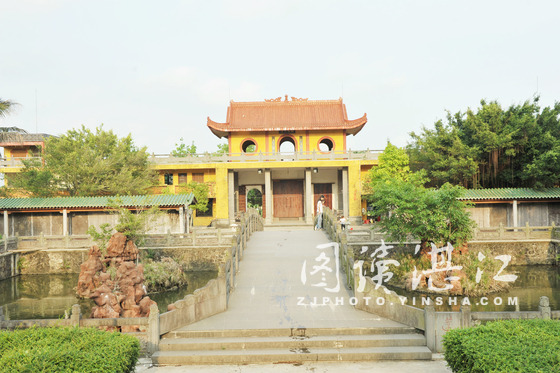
532, 283
49, 296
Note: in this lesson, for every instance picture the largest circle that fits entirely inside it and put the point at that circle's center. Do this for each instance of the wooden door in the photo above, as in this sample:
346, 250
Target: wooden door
325, 190
288, 198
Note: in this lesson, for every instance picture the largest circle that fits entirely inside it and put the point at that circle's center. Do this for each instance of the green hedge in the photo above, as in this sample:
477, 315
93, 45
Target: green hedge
67, 350
505, 346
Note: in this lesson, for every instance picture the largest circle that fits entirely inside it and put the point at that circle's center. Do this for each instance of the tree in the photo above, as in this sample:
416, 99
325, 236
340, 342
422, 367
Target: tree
492, 147
6, 106
86, 163
222, 149
183, 150
408, 209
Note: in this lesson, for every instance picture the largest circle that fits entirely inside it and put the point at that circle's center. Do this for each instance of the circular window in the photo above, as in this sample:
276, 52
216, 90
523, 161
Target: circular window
326, 144
248, 146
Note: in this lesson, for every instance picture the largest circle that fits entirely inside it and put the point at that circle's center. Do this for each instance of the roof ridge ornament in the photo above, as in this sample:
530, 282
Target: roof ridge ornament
279, 99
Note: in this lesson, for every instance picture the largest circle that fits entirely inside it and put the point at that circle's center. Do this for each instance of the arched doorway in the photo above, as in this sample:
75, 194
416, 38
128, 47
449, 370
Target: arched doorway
254, 199
287, 145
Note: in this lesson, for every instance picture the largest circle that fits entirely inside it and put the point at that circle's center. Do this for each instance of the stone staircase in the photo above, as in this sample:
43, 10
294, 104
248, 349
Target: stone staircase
254, 346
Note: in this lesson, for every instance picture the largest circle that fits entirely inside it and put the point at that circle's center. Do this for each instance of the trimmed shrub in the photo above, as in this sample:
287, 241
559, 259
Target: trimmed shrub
67, 350
505, 346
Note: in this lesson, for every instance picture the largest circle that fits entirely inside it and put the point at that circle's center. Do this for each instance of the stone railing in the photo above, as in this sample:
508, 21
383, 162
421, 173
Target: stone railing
389, 304
213, 298
516, 233
162, 159
150, 324
17, 161
182, 189
372, 233
204, 302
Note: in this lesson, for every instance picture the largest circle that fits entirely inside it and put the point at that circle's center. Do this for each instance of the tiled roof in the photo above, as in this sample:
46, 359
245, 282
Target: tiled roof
278, 115
94, 202
511, 193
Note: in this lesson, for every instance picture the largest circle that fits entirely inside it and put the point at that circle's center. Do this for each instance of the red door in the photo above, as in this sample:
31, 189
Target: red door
288, 198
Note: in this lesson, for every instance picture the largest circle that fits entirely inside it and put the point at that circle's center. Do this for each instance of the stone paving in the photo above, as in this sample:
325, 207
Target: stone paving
269, 286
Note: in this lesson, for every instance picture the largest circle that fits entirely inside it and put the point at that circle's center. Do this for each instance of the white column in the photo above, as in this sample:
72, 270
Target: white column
181, 219
6, 224
64, 222
308, 197
345, 200
268, 193
231, 196
515, 213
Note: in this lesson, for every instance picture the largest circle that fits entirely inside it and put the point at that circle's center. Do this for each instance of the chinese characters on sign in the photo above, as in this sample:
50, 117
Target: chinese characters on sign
318, 273
440, 262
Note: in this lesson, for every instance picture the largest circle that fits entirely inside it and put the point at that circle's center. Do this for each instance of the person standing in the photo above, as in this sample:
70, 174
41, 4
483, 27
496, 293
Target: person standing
320, 203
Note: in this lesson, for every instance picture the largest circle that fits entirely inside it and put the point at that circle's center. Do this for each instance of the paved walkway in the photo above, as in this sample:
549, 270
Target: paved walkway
269, 287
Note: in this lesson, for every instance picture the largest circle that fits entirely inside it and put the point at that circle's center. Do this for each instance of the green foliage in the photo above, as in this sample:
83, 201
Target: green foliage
35, 179
469, 262
183, 150
408, 209
164, 275
86, 163
222, 149
102, 236
6, 106
505, 346
133, 224
492, 147
200, 191
67, 350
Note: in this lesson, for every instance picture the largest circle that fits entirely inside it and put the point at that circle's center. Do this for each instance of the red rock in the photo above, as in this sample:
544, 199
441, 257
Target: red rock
122, 295
115, 247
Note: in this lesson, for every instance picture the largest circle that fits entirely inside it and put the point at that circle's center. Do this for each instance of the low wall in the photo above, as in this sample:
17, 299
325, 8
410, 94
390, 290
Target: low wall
39, 262
387, 305
197, 258
8, 265
522, 252
203, 303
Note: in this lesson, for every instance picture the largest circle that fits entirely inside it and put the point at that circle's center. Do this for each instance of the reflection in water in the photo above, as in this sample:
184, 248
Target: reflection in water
49, 296
532, 283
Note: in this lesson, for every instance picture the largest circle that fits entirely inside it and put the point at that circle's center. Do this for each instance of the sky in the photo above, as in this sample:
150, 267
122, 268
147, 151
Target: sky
158, 69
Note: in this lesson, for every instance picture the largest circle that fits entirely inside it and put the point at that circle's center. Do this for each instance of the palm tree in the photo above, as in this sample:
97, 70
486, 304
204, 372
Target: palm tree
6, 106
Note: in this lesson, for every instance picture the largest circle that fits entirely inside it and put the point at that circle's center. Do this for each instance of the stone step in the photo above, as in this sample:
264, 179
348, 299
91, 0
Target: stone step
293, 355
285, 332
280, 227
327, 341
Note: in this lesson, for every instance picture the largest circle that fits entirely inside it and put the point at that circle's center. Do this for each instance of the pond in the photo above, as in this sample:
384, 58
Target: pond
49, 296
532, 283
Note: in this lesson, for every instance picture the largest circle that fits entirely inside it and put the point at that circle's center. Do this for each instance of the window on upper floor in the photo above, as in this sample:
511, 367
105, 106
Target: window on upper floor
325, 144
249, 146
198, 177
168, 179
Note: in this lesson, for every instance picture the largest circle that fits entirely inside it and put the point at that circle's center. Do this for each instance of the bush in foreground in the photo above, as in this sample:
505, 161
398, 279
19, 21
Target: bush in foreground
505, 346
67, 350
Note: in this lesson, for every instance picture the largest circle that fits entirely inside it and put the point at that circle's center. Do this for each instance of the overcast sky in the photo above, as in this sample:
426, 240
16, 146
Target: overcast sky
158, 69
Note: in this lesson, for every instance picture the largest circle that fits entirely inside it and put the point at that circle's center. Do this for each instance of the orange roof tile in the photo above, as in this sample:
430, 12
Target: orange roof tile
277, 115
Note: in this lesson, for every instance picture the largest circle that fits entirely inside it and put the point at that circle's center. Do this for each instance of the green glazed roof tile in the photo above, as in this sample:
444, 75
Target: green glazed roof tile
511, 193
95, 202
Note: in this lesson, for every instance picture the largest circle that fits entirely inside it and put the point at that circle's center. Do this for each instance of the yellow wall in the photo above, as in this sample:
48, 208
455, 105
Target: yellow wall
237, 139
315, 136
203, 221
